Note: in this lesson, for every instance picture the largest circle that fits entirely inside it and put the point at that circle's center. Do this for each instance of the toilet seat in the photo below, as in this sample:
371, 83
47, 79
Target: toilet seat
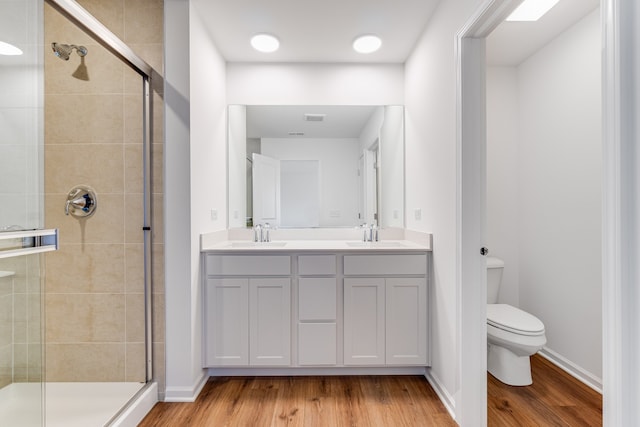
514, 320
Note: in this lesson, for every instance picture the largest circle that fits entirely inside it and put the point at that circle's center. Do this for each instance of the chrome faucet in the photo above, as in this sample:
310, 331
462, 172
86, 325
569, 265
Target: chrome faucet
261, 232
370, 233
257, 233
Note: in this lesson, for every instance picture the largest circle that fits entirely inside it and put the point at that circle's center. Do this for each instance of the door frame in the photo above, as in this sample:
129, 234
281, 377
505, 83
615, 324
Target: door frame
621, 211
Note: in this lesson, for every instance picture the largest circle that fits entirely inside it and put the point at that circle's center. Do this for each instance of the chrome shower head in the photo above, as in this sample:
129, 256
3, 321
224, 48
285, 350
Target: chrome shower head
63, 51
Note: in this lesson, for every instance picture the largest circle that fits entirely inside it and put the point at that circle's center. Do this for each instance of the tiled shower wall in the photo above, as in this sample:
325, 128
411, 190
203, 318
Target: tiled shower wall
93, 136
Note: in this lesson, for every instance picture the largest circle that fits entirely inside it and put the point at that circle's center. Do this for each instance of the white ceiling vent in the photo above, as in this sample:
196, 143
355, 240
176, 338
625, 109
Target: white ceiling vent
314, 117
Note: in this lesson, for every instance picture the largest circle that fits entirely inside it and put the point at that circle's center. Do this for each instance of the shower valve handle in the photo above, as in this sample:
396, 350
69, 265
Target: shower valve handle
81, 202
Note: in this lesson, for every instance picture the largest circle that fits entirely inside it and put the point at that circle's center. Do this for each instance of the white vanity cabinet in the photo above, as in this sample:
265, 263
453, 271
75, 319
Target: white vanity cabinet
385, 310
247, 310
316, 310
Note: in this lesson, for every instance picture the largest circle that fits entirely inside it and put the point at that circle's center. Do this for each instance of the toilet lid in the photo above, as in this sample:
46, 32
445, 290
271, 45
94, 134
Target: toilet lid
511, 319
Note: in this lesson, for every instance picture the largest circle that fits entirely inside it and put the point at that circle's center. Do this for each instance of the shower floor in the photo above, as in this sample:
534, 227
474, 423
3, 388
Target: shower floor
67, 404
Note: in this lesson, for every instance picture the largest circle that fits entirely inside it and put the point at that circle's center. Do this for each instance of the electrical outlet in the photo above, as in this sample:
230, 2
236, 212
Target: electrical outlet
214, 214
417, 214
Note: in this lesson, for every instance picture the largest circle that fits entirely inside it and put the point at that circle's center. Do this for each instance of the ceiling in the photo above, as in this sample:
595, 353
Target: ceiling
323, 30
316, 30
278, 121
513, 42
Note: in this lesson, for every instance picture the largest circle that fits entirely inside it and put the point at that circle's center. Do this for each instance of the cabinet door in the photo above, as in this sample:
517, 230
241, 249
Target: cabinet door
406, 321
364, 331
270, 322
227, 322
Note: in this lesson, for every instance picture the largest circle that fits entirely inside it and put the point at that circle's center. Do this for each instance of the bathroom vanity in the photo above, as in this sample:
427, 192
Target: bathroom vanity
316, 304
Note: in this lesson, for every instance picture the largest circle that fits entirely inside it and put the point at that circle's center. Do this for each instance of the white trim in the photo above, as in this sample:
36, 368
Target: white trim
186, 394
325, 371
620, 238
572, 369
447, 400
138, 409
471, 286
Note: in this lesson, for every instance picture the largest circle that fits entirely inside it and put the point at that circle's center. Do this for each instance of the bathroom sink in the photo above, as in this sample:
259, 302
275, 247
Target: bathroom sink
258, 244
376, 245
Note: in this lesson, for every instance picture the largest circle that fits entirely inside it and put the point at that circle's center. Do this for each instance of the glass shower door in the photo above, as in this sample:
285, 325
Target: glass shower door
21, 203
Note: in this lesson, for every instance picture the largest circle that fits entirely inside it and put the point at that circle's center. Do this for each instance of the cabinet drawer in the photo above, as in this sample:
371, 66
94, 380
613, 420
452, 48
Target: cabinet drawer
382, 265
248, 265
316, 265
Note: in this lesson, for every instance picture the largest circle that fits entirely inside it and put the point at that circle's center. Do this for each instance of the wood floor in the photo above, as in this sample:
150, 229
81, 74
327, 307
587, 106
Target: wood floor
554, 399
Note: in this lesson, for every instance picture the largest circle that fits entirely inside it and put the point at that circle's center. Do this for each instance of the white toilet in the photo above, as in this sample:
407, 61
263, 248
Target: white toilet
513, 335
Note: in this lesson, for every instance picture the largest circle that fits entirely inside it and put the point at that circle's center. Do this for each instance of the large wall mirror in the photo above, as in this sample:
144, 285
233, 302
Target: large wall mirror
316, 166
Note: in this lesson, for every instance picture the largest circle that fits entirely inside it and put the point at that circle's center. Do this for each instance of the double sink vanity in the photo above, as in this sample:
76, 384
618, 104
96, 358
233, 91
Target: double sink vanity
314, 305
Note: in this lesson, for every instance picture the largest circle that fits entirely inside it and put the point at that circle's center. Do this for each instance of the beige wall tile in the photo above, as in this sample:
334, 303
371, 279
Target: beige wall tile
133, 220
133, 174
157, 158
85, 318
143, 20
157, 274
136, 362
100, 166
85, 362
106, 225
6, 320
135, 318
76, 268
133, 115
134, 267
108, 12
157, 220
158, 317
6, 365
83, 118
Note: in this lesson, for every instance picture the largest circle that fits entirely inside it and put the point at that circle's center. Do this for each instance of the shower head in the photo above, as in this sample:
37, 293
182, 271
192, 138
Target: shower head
63, 51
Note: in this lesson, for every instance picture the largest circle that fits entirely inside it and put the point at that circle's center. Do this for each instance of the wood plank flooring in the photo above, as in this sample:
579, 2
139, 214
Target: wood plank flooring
554, 399
308, 401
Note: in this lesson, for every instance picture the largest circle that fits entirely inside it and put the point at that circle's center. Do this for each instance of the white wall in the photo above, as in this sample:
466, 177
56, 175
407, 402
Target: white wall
502, 172
195, 183
430, 127
320, 84
560, 157
338, 173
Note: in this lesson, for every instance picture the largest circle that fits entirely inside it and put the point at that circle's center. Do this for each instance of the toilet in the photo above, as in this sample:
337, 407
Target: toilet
513, 335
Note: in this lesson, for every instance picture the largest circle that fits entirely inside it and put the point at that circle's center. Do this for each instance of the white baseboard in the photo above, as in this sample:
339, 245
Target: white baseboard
298, 371
447, 400
186, 394
572, 369
138, 409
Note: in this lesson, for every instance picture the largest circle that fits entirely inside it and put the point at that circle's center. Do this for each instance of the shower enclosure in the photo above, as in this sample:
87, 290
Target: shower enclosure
76, 344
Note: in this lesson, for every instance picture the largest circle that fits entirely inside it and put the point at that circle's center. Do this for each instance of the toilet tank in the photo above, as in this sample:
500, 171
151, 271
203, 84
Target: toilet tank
495, 266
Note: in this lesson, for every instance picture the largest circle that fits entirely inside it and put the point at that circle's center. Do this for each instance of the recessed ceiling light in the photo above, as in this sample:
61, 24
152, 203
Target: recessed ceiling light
265, 43
9, 49
531, 10
367, 44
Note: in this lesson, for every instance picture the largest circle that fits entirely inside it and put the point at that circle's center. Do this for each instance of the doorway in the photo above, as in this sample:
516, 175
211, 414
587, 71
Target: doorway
472, 128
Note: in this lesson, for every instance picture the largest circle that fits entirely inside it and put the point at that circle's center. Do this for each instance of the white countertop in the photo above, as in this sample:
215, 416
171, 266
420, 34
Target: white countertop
315, 245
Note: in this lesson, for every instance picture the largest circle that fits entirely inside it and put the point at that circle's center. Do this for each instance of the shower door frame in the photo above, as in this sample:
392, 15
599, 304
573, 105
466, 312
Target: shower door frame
85, 21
